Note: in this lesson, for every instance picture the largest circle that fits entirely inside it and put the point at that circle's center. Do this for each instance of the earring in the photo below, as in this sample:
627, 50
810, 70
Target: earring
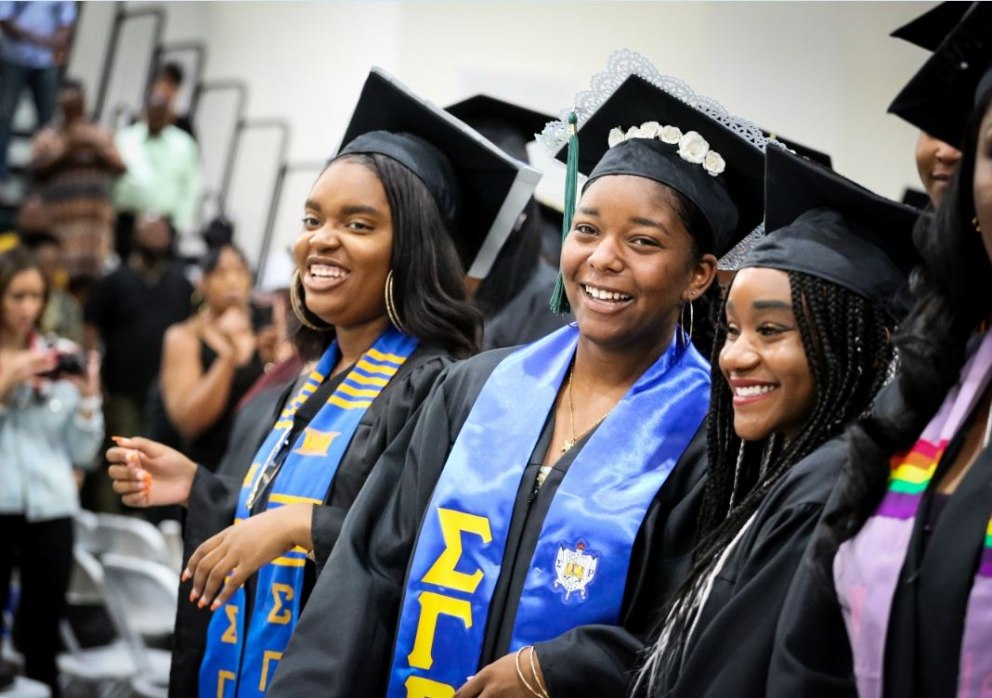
976, 225
687, 338
391, 303
196, 298
299, 308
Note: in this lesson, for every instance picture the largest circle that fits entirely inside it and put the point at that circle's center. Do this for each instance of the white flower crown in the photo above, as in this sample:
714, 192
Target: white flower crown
692, 147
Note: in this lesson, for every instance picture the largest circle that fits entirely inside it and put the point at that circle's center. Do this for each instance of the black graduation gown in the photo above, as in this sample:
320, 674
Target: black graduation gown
527, 317
730, 649
213, 499
343, 643
812, 655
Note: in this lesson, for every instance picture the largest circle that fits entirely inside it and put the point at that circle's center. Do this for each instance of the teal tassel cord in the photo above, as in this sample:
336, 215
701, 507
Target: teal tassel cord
559, 301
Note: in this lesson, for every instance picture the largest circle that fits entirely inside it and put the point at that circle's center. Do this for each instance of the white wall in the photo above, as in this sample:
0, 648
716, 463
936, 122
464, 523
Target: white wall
819, 73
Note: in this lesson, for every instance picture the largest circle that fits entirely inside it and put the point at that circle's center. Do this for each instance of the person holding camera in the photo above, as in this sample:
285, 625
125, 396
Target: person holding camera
50, 422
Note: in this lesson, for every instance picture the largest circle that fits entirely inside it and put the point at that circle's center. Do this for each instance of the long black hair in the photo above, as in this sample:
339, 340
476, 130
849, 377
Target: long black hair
428, 279
953, 290
845, 338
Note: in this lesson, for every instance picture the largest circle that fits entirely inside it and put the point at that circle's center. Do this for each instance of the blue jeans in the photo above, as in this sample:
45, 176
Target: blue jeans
44, 85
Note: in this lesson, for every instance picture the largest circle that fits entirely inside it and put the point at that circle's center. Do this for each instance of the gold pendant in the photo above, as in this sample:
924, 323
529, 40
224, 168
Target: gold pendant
567, 445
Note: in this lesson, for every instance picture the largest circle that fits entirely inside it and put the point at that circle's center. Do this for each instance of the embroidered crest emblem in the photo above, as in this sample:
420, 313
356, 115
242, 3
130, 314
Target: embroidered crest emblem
575, 568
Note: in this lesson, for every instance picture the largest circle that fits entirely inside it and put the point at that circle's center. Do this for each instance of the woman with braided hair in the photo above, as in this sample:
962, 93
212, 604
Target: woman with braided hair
802, 353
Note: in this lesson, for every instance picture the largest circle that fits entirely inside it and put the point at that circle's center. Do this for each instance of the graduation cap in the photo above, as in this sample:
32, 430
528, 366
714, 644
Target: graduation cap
800, 149
942, 94
479, 189
930, 28
728, 190
827, 226
508, 125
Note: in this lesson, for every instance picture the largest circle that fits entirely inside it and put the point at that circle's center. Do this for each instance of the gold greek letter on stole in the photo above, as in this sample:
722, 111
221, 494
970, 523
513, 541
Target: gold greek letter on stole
282, 594
267, 658
431, 606
418, 687
223, 676
442, 572
231, 634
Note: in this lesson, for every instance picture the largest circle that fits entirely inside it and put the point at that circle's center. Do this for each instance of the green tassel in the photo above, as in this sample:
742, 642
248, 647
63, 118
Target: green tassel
559, 301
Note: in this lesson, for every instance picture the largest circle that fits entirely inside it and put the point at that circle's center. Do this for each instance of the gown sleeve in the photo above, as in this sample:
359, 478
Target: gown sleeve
366, 449
811, 656
342, 645
212, 501
597, 660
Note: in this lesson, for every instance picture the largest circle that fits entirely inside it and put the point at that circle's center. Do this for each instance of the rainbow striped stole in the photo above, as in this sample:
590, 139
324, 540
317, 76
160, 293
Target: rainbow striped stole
867, 567
909, 478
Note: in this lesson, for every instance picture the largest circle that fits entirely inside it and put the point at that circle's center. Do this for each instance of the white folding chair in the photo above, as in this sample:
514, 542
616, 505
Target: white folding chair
26, 688
145, 593
172, 531
105, 670
110, 670
126, 535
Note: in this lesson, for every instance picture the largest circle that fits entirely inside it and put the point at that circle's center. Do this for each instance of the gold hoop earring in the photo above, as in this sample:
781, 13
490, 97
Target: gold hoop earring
976, 225
687, 338
391, 303
297, 303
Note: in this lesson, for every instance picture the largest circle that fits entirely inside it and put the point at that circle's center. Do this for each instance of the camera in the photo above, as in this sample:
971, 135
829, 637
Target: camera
70, 360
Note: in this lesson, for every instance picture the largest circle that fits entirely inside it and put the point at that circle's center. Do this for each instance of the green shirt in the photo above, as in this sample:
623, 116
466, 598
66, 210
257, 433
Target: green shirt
163, 174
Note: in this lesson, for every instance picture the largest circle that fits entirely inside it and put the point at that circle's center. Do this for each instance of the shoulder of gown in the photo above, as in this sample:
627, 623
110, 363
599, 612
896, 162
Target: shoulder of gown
380, 425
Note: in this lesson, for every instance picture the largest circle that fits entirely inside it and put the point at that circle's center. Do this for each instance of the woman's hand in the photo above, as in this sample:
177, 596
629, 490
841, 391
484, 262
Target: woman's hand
24, 367
147, 473
88, 383
501, 679
238, 551
234, 322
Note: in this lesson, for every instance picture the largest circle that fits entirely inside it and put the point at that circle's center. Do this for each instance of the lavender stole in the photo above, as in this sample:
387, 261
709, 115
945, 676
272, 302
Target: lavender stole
867, 567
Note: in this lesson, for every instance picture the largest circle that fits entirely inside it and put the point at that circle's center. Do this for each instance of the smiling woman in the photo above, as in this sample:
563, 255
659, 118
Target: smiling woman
802, 352
550, 487
379, 295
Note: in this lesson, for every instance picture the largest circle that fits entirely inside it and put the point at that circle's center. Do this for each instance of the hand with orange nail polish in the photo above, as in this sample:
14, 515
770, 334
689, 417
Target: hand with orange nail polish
136, 463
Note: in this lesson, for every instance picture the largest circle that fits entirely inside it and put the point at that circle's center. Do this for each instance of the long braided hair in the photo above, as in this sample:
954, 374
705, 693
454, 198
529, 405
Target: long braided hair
845, 338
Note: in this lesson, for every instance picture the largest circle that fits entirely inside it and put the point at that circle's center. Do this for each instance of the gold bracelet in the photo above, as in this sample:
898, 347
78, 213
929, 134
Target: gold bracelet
537, 679
520, 674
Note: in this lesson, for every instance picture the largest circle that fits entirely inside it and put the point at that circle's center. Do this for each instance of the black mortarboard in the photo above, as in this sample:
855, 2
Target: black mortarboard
930, 28
731, 201
942, 94
508, 125
800, 149
479, 189
825, 225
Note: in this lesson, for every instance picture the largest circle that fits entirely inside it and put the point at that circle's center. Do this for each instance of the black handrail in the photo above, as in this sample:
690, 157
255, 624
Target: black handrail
241, 89
121, 16
270, 221
198, 48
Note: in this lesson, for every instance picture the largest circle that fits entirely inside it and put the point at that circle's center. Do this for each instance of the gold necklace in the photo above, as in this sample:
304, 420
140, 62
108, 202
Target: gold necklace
569, 443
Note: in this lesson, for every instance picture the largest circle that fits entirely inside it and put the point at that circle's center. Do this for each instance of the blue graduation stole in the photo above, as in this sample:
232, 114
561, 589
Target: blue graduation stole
236, 666
579, 570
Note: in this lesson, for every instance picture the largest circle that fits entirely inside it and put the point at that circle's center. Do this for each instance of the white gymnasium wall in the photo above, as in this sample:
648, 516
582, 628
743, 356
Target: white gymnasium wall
819, 73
